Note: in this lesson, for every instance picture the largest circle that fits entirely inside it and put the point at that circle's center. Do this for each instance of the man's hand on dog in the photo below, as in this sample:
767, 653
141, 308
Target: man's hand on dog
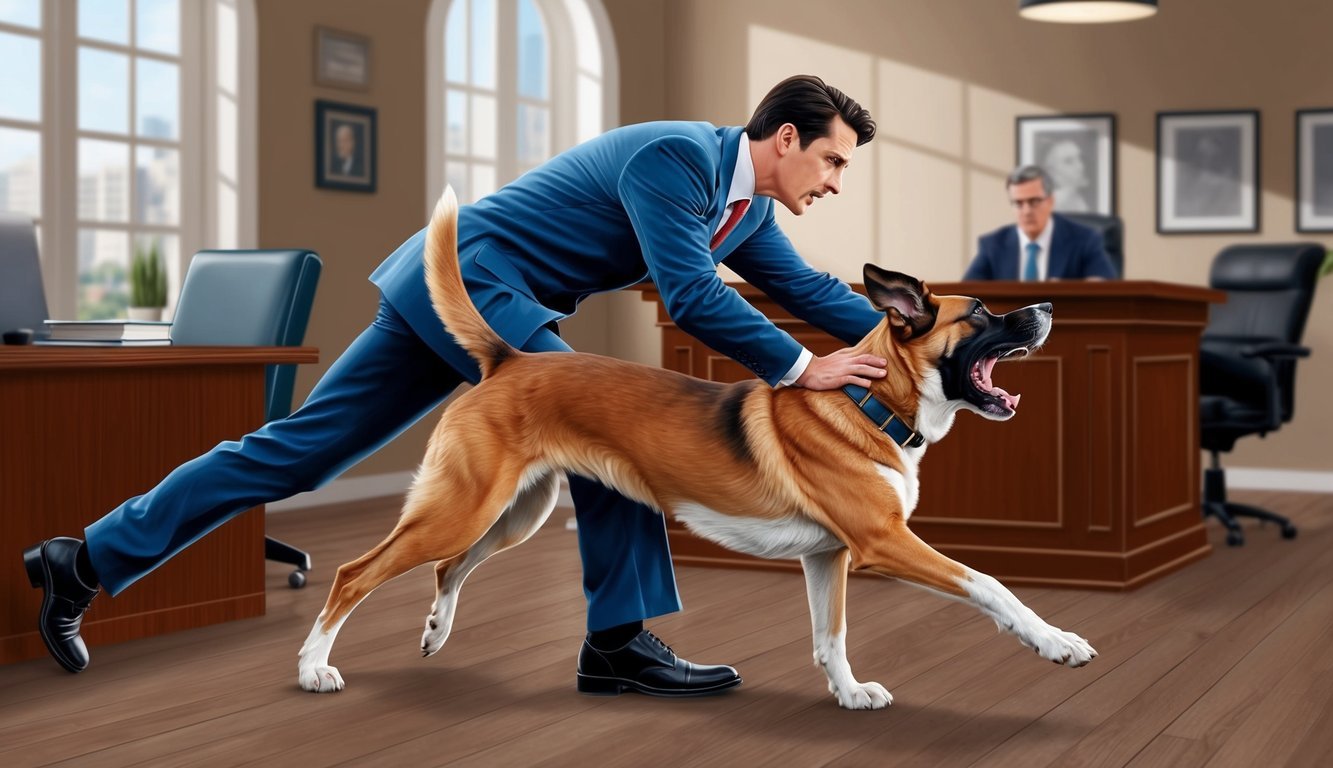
838, 369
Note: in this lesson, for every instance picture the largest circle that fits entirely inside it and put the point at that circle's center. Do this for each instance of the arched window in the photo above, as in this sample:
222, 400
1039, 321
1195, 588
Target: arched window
509, 84
126, 125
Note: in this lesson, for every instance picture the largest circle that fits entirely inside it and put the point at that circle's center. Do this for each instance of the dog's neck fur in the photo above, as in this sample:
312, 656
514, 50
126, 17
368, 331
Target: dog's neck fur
914, 393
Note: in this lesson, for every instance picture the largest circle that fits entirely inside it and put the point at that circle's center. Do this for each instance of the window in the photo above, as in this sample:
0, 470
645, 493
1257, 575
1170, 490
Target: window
120, 128
510, 83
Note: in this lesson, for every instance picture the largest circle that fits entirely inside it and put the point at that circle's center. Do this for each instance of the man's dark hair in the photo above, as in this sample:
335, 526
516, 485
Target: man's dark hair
810, 104
1024, 174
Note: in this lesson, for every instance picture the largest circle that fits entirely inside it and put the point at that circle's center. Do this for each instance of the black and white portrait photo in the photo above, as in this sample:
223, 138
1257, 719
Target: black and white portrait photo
344, 146
1207, 165
1314, 170
1078, 153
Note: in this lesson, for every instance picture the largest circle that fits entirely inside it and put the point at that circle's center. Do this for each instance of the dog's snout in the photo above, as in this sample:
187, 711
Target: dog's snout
1045, 307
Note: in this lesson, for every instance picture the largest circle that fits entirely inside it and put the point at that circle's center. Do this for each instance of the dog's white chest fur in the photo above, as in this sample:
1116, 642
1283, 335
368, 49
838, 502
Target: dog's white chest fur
788, 537
904, 484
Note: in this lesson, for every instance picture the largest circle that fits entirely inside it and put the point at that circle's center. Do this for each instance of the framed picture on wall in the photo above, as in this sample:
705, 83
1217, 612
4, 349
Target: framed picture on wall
1207, 172
342, 59
1078, 152
1314, 170
345, 139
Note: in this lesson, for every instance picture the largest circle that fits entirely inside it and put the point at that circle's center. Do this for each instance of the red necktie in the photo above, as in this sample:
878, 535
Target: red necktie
737, 211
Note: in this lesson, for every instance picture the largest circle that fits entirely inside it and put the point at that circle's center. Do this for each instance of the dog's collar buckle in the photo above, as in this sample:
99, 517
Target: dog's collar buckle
885, 419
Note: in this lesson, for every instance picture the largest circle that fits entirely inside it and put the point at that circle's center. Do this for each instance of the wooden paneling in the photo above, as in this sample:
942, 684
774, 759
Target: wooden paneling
86, 428
1093, 484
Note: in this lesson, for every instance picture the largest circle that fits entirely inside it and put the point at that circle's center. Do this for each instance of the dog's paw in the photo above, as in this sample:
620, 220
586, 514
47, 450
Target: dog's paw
1064, 648
864, 696
433, 638
317, 679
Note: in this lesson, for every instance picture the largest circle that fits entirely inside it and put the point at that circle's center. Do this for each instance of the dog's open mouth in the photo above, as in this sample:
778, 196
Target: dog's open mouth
994, 399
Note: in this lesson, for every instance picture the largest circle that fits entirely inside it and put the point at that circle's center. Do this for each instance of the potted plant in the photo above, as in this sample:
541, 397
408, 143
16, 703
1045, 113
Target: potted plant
148, 284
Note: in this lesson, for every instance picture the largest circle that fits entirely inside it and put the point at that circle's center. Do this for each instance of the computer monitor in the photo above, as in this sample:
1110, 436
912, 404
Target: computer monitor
22, 298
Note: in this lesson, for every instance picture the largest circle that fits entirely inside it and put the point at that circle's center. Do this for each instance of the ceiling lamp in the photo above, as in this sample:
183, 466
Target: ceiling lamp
1086, 11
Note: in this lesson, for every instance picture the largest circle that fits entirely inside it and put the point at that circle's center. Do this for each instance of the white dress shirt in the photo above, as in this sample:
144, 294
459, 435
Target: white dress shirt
1043, 241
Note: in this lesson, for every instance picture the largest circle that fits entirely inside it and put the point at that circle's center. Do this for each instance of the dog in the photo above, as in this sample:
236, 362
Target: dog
826, 477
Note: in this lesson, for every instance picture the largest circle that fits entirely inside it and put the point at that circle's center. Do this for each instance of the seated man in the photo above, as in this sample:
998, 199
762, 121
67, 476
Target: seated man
1044, 245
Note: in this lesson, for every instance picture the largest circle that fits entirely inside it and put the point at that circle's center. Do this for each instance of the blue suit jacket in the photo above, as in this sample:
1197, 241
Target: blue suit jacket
637, 202
1076, 252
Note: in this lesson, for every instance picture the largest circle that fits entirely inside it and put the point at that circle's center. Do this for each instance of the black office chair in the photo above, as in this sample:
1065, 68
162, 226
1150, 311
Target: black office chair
1247, 363
253, 298
1113, 236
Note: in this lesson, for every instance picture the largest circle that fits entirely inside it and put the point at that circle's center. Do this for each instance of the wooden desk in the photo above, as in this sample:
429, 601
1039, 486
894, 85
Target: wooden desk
83, 429
1095, 483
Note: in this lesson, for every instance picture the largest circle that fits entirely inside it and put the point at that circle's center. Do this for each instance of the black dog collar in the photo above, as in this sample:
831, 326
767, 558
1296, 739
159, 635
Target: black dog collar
888, 422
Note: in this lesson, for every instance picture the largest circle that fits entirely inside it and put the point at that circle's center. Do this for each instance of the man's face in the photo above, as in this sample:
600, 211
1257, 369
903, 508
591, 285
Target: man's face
804, 175
1032, 206
346, 140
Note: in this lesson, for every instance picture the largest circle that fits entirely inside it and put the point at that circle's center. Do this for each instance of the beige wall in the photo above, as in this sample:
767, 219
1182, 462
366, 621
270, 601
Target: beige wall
945, 79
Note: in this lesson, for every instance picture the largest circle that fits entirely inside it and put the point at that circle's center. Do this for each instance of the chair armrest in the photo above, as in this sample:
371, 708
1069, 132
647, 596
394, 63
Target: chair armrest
1276, 350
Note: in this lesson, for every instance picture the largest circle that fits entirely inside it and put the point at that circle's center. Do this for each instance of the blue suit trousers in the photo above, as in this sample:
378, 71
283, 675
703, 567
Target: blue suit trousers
382, 384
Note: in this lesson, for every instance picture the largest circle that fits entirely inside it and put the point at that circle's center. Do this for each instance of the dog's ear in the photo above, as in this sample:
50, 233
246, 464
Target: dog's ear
903, 298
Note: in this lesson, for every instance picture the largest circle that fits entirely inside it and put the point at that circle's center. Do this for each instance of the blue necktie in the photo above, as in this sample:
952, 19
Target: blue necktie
1030, 266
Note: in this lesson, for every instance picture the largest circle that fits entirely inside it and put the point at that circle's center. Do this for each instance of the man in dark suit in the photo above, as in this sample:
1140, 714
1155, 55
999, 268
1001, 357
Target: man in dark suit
667, 201
1043, 245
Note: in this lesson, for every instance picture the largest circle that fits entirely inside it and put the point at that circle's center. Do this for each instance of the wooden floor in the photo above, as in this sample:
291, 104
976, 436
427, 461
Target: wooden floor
1225, 663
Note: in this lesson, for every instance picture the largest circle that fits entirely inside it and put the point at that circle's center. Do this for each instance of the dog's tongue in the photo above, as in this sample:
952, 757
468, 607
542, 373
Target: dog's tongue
987, 366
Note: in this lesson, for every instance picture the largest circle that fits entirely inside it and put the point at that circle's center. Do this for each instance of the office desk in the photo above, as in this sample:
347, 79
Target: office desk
83, 429
1094, 483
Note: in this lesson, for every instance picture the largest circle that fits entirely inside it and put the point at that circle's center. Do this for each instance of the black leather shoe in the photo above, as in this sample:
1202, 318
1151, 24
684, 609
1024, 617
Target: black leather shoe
50, 567
645, 664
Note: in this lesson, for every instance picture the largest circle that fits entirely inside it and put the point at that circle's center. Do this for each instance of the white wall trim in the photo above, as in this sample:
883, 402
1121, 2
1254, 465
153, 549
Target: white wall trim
392, 484
1255, 479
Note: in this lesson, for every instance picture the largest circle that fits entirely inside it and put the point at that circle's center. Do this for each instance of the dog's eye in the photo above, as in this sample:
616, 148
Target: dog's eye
976, 310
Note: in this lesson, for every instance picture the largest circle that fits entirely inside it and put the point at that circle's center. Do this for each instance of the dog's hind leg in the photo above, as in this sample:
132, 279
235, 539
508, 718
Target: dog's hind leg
424, 533
528, 511
826, 586
900, 554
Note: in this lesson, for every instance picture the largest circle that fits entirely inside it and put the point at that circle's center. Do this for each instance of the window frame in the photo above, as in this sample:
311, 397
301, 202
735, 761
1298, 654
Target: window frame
563, 94
58, 128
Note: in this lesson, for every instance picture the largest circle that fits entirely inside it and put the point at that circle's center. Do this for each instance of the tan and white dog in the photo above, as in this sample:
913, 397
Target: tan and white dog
779, 473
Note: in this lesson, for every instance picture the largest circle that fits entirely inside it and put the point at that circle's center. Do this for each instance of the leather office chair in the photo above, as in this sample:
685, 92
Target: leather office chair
253, 298
1247, 363
1113, 236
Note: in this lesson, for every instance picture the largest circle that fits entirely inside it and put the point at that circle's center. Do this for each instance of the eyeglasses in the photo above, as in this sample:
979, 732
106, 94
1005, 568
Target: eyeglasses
1029, 202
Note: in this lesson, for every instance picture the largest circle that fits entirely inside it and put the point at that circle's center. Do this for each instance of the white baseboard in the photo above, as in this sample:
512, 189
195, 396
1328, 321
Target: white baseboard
1254, 479
369, 487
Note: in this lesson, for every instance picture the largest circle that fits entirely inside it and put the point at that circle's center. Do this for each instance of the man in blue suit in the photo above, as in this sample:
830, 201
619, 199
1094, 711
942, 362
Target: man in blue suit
1044, 245
666, 201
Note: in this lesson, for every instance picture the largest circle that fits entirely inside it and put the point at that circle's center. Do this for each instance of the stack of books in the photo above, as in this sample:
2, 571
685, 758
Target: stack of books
108, 332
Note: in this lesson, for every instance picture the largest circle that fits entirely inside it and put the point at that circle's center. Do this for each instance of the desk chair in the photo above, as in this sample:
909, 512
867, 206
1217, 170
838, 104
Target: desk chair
253, 298
1113, 236
1247, 363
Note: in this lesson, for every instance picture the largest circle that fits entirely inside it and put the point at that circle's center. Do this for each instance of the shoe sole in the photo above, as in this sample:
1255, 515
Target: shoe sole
614, 686
39, 577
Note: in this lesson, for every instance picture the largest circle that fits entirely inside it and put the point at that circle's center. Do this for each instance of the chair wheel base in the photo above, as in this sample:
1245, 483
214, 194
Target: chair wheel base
1235, 539
296, 580
1288, 531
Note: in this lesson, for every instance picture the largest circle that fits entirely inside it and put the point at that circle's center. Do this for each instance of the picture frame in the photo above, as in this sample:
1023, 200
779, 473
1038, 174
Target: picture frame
345, 146
342, 59
1314, 170
1078, 152
1207, 172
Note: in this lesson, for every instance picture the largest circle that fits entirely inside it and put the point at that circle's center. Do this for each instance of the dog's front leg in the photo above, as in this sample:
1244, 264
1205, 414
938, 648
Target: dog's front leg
898, 553
826, 586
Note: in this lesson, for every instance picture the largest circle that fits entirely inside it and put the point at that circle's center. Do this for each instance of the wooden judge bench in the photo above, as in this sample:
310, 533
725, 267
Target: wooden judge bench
1093, 484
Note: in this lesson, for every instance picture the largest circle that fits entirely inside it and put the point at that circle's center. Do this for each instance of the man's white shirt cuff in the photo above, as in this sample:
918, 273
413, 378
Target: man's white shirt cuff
802, 362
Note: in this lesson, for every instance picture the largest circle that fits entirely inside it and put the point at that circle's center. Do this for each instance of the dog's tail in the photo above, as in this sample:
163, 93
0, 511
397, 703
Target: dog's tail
449, 297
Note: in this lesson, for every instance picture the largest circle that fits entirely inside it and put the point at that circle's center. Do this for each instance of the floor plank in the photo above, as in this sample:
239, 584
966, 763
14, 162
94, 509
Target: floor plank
1222, 663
